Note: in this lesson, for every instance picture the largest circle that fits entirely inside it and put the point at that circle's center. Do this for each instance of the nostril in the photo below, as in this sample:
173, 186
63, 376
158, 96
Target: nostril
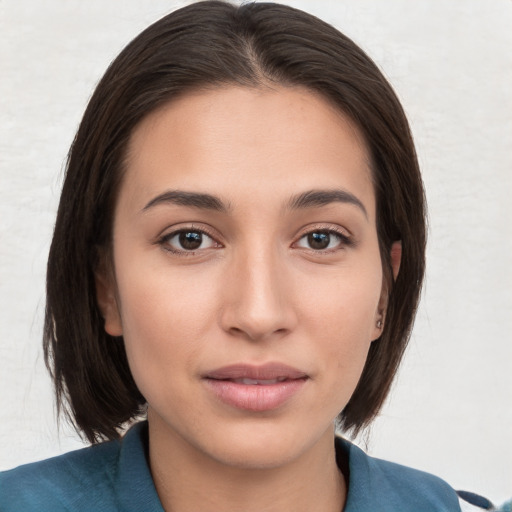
254, 334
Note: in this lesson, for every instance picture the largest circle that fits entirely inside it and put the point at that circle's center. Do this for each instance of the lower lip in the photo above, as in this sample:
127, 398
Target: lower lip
255, 397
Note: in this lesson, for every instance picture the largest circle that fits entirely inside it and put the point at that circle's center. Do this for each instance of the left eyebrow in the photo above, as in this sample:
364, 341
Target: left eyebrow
318, 198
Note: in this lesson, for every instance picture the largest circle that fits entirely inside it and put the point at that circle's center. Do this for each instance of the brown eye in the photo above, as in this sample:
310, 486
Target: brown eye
322, 240
190, 240
187, 240
319, 240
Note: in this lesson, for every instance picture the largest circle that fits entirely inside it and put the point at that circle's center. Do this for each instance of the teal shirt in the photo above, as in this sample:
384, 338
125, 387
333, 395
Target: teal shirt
115, 477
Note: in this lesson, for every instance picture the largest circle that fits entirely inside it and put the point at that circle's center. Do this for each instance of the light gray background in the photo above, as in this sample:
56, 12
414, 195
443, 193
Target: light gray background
450, 411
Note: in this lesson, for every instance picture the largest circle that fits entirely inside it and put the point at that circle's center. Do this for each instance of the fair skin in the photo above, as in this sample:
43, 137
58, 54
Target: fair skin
261, 276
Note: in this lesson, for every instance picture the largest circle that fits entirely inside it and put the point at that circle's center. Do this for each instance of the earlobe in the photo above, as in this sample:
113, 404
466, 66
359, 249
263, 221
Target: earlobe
379, 324
107, 302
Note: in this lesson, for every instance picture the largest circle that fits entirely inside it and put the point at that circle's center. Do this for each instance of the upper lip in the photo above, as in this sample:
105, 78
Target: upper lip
267, 371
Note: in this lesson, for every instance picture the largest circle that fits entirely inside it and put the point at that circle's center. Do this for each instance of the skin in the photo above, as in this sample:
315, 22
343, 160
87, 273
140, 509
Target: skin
255, 291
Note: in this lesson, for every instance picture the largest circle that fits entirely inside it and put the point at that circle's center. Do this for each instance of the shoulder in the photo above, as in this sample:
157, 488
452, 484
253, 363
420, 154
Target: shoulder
79, 480
376, 484
109, 477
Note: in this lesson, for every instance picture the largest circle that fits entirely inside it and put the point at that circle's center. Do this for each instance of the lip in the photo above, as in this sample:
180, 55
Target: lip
255, 388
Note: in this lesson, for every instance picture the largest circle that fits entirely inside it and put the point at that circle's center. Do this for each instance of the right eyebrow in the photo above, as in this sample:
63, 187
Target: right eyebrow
190, 199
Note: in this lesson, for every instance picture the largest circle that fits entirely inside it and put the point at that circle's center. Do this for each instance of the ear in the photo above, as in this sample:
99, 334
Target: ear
396, 258
107, 301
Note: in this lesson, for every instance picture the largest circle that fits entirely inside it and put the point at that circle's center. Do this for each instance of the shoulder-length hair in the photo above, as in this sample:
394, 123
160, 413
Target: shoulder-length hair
215, 43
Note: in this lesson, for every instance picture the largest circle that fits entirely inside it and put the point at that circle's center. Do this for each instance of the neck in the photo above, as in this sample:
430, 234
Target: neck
187, 480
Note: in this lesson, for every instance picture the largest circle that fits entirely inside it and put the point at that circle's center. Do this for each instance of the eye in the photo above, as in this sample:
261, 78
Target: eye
323, 239
188, 240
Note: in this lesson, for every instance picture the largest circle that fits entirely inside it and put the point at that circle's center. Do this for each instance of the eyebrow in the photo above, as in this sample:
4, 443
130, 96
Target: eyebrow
308, 199
318, 198
190, 199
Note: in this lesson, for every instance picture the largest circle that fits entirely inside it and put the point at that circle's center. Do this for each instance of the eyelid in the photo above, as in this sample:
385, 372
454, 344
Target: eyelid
345, 236
324, 226
170, 232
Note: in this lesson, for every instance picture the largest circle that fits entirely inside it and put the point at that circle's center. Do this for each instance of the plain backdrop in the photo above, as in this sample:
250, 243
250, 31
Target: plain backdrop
450, 411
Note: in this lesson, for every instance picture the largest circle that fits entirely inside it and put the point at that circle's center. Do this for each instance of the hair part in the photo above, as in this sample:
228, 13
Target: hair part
211, 44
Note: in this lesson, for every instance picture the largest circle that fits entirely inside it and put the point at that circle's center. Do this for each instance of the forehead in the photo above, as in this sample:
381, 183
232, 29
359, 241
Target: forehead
247, 143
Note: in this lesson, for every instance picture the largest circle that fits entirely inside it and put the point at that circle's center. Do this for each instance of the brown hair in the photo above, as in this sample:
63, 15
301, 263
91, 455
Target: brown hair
207, 44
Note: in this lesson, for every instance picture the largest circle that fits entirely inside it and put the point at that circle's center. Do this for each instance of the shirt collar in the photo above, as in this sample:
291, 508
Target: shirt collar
135, 490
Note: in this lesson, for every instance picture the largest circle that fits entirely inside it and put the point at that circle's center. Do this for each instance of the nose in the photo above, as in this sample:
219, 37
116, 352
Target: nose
258, 301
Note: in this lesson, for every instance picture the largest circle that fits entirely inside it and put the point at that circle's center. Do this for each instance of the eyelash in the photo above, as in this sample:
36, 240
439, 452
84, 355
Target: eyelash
164, 241
344, 240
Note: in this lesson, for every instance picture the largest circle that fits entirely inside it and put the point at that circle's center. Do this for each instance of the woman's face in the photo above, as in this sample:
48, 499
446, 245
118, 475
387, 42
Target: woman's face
247, 276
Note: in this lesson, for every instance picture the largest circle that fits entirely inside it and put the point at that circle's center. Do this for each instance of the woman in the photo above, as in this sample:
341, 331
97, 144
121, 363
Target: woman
238, 256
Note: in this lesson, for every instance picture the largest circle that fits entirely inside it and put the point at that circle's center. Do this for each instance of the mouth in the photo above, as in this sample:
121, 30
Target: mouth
257, 382
267, 373
255, 388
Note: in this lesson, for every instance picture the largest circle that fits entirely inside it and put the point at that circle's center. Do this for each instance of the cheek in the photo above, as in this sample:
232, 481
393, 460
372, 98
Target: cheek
166, 316
345, 301
340, 315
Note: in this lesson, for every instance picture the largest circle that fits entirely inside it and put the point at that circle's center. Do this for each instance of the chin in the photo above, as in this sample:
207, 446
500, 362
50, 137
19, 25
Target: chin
263, 446
251, 455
